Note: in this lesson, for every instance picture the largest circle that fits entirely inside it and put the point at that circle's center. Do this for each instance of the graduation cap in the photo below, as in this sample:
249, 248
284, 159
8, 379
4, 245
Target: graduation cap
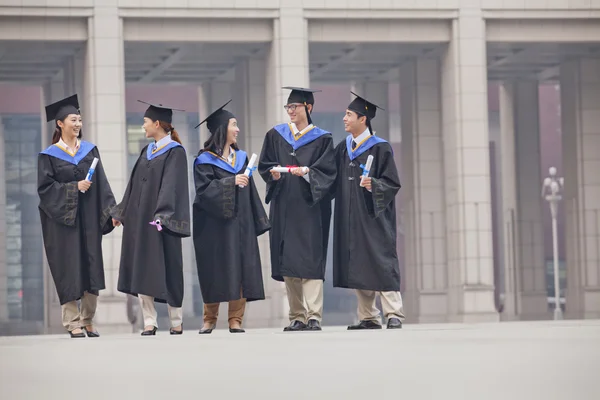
301, 95
362, 106
217, 118
59, 110
158, 112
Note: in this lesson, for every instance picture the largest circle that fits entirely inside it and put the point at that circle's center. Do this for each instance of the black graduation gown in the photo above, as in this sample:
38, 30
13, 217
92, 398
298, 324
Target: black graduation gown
73, 222
364, 236
227, 221
152, 261
300, 212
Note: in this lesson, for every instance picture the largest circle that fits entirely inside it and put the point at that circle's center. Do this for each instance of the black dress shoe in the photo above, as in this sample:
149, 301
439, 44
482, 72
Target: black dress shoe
151, 332
313, 325
207, 331
394, 323
295, 326
90, 333
365, 324
175, 332
236, 330
76, 335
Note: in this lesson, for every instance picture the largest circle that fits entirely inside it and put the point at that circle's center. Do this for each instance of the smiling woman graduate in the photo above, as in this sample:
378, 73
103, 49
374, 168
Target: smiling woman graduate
155, 215
227, 221
75, 214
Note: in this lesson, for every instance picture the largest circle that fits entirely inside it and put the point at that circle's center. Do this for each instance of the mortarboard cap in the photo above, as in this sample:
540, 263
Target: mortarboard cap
217, 118
362, 106
158, 112
59, 110
301, 95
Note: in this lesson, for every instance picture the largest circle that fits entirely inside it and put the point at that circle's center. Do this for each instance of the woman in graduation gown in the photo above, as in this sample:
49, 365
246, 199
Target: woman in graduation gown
74, 213
228, 218
155, 216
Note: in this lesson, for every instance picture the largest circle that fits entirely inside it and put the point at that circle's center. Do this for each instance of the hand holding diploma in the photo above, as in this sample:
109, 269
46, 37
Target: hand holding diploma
84, 185
241, 180
300, 171
245, 179
365, 181
276, 172
292, 169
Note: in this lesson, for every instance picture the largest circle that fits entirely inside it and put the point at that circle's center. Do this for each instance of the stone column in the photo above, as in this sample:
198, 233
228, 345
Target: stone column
3, 271
467, 171
251, 113
580, 105
104, 124
189, 258
426, 275
525, 279
287, 62
203, 110
51, 92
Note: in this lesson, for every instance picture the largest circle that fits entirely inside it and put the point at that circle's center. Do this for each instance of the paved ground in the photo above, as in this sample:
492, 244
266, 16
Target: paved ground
519, 360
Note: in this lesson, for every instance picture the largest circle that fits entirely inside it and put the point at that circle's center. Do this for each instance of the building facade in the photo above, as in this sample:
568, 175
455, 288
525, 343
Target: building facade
472, 219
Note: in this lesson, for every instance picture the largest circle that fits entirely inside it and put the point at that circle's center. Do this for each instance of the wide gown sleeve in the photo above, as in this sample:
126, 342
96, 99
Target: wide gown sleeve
173, 204
58, 200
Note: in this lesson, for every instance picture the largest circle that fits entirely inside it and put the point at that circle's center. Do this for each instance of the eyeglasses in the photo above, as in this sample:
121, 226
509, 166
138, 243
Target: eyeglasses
292, 107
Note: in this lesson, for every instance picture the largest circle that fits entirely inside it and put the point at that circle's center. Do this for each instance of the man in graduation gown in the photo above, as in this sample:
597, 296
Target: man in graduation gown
74, 218
227, 221
300, 208
364, 256
151, 255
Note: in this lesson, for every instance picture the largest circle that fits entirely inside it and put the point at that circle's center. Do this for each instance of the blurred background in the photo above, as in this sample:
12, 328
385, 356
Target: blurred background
480, 100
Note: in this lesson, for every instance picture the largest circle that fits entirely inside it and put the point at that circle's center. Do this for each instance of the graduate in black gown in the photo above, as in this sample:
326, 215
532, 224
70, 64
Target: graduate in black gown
300, 207
364, 235
75, 214
228, 218
155, 213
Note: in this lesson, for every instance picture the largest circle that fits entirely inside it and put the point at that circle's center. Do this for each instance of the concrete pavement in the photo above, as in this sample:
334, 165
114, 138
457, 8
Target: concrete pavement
511, 360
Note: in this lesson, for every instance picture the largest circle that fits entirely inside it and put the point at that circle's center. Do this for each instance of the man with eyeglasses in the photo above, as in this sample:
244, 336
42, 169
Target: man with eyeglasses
300, 207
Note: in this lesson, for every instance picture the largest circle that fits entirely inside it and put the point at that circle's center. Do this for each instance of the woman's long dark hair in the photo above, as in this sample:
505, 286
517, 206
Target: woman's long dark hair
217, 140
58, 132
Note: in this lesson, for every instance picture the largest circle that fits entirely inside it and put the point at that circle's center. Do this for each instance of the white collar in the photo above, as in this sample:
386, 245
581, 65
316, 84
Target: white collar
163, 142
64, 146
362, 137
231, 155
297, 132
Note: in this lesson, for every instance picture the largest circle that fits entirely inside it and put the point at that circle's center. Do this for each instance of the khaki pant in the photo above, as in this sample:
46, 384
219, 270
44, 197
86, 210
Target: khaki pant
236, 309
391, 304
149, 312
305, 297
74, 318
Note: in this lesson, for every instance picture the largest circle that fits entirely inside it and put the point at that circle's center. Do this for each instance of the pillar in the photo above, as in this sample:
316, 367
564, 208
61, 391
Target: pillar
51, 92
189, 258
426, 277
525, 277
580, 105
287, 60
467, 171
104, 125
3, 266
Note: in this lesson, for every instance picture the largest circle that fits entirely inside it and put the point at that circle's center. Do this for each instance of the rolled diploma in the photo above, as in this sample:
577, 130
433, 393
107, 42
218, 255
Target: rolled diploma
367, 169
91, 171
250, 166
286, 169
